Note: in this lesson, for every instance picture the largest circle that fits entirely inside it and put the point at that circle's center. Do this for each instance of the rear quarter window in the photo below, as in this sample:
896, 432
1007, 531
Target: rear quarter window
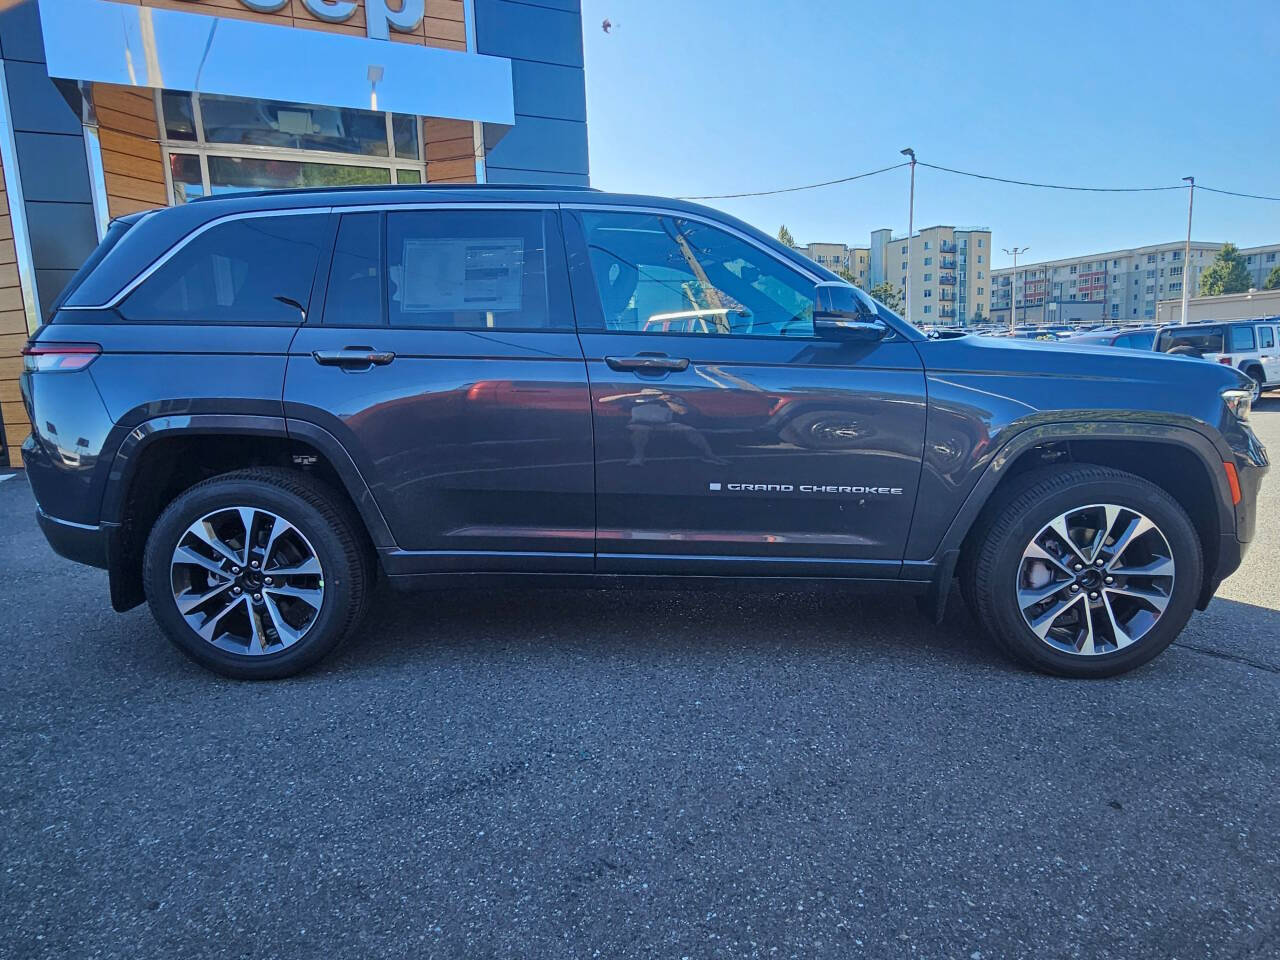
248, 270
1191, 339
1242, 338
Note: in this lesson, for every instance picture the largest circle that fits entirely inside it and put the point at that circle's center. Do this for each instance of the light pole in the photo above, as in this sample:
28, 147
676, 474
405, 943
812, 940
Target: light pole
1013, 286
911, 223
1186, 256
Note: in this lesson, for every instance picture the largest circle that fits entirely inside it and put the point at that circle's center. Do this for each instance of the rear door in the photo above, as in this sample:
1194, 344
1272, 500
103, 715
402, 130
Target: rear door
728, 438
446, 363
1269, 354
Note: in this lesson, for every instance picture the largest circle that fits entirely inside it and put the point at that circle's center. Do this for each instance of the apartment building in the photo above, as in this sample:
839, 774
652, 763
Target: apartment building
950, 272
1120, 285
840, 258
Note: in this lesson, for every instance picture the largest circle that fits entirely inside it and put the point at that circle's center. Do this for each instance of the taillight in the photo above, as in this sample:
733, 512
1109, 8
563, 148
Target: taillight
1226, 361
49, 357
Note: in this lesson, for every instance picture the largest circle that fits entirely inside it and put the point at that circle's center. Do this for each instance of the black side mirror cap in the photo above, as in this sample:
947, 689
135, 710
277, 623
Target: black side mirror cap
843, 312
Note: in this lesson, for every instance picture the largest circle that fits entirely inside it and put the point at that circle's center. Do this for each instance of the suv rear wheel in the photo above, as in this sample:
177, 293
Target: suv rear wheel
1083, 571
256, 574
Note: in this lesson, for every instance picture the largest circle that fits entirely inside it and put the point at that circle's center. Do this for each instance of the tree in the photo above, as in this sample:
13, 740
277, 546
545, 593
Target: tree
847, 276
1227, 274
1273, 279
785, 238
977, 318
888, 294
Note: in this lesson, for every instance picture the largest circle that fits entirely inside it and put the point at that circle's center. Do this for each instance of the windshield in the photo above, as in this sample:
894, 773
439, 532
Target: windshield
1195, 340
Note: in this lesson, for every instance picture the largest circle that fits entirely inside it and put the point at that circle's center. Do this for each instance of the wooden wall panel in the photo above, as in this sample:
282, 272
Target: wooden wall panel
450, 150
13, 334
132, 166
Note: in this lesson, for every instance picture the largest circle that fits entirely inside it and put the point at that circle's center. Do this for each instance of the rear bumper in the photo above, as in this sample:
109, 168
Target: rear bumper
80, 542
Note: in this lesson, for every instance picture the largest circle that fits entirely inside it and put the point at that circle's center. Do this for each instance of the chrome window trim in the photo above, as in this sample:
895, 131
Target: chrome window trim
295, 212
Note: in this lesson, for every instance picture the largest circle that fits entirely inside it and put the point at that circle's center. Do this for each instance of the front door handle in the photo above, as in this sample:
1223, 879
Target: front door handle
648, 363
353, 357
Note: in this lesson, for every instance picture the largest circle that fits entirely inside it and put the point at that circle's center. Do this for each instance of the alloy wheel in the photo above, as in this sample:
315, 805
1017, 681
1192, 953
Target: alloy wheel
1095, 579
247, 581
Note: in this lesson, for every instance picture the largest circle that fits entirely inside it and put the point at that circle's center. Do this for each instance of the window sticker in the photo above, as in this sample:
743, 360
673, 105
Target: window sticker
463, 273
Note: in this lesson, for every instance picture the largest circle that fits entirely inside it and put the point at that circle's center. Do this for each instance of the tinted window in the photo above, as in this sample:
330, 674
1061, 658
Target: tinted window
664, 274
471, 269
1242, 338
235, 272
1193, 339
354, 296
1266, 338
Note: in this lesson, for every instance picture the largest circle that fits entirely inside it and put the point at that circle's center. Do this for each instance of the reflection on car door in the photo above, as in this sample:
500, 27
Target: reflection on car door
447, 365
728, 438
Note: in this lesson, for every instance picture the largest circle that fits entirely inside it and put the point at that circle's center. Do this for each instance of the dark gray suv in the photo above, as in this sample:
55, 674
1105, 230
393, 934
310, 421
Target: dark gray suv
248, 408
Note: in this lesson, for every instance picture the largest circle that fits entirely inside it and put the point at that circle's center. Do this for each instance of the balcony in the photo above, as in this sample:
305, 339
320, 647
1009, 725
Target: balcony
947, 278
945, 294
947, 311
947, 263
948, 246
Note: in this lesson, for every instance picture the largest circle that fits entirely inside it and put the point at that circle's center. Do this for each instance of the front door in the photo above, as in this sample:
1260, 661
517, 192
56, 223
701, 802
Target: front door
445, 361
728, 438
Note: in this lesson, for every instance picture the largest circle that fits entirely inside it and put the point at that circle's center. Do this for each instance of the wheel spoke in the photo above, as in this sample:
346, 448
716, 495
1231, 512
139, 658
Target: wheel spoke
278, 527
257, 637
208, 628
285, 632
1159, 567
1030, 596
190, 600
247, 515
185, 555
1042, 624
1085, 644
1118, 633
309, 567
311, 596
1059, 527
1153, 598
1111, 513
1137, 527
203, 531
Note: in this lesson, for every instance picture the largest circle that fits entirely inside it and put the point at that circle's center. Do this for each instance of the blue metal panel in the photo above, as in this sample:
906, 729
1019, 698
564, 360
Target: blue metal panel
537, 143
20, 37
35, 103
515, 175
53, 167
549, 90
524, 32
62, 234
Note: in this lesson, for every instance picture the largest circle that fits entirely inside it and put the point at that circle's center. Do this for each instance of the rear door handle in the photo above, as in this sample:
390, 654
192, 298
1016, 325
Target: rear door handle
648, 363
353, 357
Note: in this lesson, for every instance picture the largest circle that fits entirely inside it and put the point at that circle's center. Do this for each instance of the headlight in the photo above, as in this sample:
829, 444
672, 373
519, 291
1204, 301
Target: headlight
1239, 402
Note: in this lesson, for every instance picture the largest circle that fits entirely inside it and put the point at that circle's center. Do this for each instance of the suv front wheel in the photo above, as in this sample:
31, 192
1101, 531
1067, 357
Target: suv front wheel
256, 574
1083, 571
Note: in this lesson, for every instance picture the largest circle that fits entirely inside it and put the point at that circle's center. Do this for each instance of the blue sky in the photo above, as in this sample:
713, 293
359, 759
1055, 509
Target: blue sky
692, 97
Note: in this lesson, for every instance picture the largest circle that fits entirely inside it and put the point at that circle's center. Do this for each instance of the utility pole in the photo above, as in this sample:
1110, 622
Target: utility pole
1186, 256
911, 222
1013, 288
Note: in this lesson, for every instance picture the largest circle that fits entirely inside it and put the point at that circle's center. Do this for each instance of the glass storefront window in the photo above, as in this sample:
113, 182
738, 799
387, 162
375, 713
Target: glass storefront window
296, 126
404, 130
184, 168
232, 174
408, 176
179, 116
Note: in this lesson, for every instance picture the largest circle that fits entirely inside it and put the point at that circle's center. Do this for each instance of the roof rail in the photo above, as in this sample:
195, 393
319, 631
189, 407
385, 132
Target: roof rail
407, 187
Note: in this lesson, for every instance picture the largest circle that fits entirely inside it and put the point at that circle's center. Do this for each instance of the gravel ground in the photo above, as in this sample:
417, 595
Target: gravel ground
611, 774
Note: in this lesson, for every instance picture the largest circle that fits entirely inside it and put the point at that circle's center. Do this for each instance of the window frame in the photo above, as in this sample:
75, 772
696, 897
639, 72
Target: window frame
586, 294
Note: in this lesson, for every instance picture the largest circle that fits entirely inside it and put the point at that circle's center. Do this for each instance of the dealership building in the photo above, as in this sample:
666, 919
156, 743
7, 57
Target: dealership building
108, 107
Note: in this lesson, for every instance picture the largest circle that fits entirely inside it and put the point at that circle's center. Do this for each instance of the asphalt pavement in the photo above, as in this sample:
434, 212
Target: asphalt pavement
634, 774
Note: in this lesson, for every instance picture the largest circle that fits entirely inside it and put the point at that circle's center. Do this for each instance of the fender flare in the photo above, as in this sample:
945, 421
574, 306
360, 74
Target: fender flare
1210, 457
125, 462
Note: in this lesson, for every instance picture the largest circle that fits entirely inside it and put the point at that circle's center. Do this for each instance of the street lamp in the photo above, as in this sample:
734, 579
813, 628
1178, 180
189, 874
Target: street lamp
1013, 284
911, 218
1186, 256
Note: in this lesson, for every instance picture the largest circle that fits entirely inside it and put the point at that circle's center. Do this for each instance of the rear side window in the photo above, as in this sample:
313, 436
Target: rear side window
473, 269
249, 270
1242, 339
1266, 338
1191, 340
354, 297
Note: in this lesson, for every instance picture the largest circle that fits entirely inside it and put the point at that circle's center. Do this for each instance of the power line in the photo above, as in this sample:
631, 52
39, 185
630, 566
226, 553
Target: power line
1051, 186
1232, 193
808, 186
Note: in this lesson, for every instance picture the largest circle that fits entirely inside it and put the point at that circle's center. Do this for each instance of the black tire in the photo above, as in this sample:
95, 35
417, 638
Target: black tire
1259, 380
990, 564
321, 516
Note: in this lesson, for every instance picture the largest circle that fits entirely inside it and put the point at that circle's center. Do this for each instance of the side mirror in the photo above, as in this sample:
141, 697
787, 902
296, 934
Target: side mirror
843, 312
